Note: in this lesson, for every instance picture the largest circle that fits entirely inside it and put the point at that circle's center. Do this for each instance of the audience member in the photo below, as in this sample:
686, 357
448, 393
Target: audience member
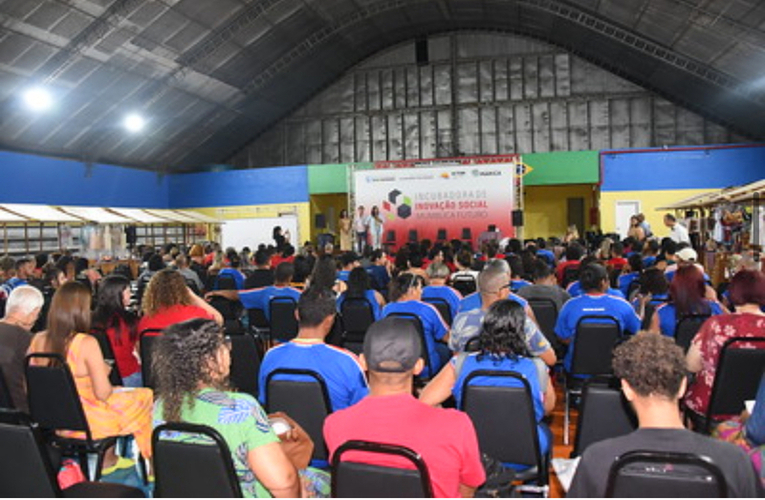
263, 274
109, 412
503, 346
21, 311
677, 231
687, 293
406, 297
617, 260
445, 439
191, 277
359, 288
338, 367
545, 286
191, 367
653, 376
473, 301
112, 317
438, 273
231, 270
348, 262
379, 271
168, 301
464, 264
574, 253
24, 271
747, 293
630, 274
595, 301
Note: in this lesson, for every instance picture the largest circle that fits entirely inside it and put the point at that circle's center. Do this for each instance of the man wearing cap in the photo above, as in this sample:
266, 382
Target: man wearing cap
685, 256
445, 439
677, 231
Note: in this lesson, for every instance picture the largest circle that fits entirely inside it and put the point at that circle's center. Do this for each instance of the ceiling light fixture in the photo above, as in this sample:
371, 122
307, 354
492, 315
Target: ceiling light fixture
38, 99
134, 122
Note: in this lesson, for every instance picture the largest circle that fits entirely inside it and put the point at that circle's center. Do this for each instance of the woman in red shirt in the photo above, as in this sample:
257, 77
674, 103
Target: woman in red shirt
168, 301
113, 318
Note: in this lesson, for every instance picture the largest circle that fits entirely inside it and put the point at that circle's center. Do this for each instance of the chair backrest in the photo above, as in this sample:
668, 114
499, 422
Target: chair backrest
503, 417
739, 370
441, 235
225, 282
443, 308
53, 399
193, 286
195, 465
258, 319
6, 400
421, 332
245, 364
570, 274
358, 314
604, 413
465, 284
467, 234
391, 236
146, 341
596, 337
546, 312
108, 353
306, 401
284, 323
651, 474
25, 468
360, 480
687, 327
413, 236
229, 309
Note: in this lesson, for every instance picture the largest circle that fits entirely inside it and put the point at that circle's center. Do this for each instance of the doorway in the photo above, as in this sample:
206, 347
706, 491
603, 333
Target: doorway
625, 210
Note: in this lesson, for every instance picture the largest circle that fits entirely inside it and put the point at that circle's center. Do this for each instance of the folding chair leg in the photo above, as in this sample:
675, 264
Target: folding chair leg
566, 416
84, 465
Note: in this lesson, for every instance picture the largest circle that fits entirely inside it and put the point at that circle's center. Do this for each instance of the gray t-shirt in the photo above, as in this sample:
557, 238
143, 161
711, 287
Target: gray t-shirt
14, 342
554, 293
592, 474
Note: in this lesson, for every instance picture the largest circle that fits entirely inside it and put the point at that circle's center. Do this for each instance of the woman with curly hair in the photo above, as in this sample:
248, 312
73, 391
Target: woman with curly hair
502, 346
110, 411
191, 365
168, 301
112, 317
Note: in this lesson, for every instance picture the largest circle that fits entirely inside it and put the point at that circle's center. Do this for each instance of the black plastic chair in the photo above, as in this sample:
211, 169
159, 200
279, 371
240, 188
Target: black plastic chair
259, 327
467, 234
506, 426
357, 315
55, 404
224, 283
596, 337
413, 236
686, 327
441, 235
738, 375
6, 400
231, 310
465, 284
199, 467
570, 274
432, 369
146, 339
245, 364
307, 402
546, 312
390, 238
26, 469
107, 351
443, 308
359, 480
284, 323
651, 474
604, 413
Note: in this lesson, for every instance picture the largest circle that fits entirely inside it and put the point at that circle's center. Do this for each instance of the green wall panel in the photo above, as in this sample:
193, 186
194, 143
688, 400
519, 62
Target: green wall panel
331, 178
574, 167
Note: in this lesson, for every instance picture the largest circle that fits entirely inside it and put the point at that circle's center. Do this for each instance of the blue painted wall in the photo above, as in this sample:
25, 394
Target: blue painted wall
258, 186
51, 181
705, 168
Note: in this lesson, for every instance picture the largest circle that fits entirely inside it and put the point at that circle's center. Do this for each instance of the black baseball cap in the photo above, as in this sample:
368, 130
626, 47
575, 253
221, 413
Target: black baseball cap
392, 345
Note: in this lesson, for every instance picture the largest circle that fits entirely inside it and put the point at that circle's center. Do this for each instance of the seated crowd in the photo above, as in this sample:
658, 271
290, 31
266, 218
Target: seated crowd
438, 313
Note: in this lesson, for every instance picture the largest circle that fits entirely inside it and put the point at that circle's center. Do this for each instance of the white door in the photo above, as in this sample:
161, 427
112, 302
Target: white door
625, 210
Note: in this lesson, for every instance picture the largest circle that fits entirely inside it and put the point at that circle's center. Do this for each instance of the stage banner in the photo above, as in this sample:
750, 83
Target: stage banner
460, 202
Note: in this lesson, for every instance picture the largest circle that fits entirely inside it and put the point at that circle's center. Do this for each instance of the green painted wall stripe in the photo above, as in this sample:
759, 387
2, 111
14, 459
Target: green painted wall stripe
565, 167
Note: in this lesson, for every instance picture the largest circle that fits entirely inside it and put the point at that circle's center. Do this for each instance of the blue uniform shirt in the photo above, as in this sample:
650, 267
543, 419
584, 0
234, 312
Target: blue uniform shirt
434, 327
259, 298
473, 301
575, 290
668, 316
447, 293
370, 296
231, 273
593, 305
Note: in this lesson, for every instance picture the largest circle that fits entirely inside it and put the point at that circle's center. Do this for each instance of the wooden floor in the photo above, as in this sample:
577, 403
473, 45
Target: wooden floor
559, 449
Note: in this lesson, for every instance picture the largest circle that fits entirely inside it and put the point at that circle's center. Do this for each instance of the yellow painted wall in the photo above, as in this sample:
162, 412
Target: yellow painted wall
255, 211
545, 208
320, 204
649, 202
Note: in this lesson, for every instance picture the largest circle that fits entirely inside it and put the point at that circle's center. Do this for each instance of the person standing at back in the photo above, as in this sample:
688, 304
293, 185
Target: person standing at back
361, 228
677, 231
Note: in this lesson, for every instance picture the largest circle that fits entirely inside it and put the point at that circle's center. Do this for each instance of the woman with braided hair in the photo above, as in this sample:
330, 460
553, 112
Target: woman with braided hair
191, 364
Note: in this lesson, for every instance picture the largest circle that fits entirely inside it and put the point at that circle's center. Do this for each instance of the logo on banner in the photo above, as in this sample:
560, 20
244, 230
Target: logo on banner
397, 204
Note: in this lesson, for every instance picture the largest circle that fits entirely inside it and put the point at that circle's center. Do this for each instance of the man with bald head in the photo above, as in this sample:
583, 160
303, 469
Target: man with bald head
494, 285
21, 311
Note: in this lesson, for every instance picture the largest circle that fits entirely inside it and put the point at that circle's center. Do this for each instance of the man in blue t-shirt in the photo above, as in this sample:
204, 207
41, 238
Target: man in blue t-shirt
473, 301
438, 273
340, 369
594, 302
260, 298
